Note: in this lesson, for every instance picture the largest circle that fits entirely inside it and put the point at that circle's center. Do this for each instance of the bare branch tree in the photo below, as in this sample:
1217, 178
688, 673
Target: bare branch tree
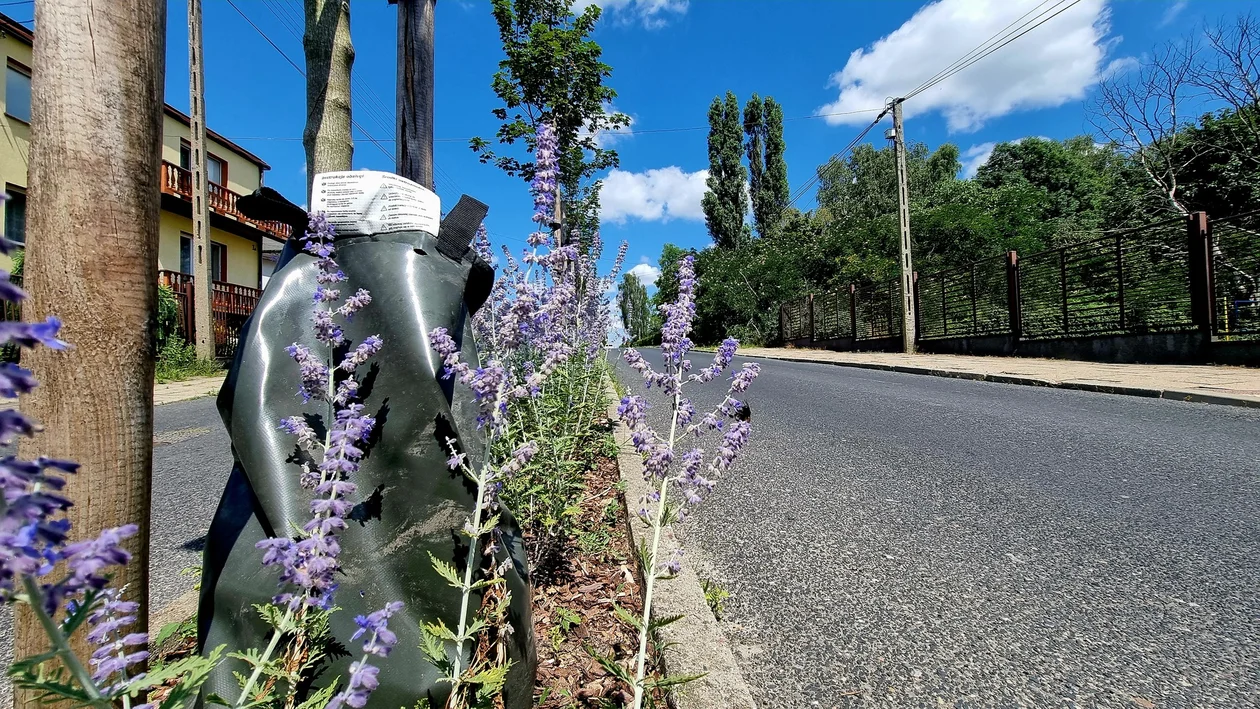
1140, 112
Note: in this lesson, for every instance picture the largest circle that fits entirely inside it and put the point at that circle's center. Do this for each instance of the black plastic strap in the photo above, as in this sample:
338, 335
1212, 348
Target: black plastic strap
456, 232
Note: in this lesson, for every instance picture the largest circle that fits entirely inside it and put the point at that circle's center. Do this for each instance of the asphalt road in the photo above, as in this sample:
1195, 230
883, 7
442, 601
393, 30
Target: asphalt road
897, 540
192, 457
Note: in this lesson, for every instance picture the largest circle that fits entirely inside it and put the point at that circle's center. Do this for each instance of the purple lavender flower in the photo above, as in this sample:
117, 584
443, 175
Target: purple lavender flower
544, 184
111, 656
363, 677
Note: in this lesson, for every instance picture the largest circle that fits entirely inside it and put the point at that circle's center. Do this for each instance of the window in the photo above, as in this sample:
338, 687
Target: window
185, 254
216, 171
15, 215
218, 261
216, 167
218, 257
17, 92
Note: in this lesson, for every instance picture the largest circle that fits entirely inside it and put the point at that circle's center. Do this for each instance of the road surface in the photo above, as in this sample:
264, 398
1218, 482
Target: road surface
900, 540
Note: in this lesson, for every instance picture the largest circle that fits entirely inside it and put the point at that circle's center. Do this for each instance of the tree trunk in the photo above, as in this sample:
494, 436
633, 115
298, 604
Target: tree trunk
329, 58
92, 242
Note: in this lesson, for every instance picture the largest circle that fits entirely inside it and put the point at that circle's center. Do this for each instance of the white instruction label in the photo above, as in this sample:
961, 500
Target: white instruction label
368, 202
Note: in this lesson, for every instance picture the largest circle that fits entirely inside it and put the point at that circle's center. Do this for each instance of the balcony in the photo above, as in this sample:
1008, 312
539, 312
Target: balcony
177, 181
230, 306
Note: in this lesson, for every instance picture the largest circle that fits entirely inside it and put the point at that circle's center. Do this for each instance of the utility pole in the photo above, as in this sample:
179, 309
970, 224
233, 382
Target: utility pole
414, 146
203, 318
91, 259
903, 209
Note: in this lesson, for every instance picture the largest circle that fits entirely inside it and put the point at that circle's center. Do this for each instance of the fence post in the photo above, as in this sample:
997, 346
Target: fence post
1120, 276
783, 323
1063, 289
1012, 294
853, 312
809, 302
190, 319
918, 313
1199, 237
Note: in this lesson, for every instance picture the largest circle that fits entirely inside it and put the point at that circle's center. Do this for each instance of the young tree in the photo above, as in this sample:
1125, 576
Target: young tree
636, 311
553, 72
92, 243
329, 58
754, 146
775, 192
725, 203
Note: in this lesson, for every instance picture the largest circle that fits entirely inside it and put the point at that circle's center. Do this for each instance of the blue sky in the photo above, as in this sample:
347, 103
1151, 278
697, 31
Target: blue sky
813, 56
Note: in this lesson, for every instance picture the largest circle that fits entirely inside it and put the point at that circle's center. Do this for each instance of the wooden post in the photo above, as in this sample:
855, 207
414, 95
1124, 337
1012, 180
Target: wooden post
853, 311
415, 90
91, 260
1199, 244
809, 304
908, 332
918, 325
203, 330
1013, 310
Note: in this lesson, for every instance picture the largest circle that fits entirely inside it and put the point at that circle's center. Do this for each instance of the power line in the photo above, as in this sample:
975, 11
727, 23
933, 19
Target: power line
299, 70
1026, 28
1002, 38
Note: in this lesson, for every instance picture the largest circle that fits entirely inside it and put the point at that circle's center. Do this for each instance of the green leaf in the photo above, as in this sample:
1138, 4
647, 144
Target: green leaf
446, 571
664, 621
319, 699
626, 617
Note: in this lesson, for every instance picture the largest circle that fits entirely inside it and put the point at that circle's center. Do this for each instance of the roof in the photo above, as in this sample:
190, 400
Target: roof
183, 118
11, 27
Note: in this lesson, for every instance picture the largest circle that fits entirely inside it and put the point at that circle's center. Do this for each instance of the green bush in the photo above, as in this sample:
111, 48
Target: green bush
177, 361
167, 316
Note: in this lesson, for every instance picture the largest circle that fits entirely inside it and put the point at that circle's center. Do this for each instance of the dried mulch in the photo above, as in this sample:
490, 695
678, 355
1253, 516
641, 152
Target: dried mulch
573, 610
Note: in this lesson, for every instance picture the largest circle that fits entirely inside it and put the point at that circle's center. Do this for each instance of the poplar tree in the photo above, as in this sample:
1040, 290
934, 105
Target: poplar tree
725, 202
773, 196
754, 133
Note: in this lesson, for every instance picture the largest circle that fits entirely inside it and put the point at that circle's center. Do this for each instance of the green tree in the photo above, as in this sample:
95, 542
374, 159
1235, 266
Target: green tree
636, 311
554, 72
775, 191
667, 282
725, 203
754, 147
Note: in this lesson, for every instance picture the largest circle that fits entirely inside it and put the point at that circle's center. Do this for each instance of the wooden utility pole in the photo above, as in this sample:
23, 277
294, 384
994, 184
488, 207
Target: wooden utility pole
903, 209
329, 61
91, 260
414, 148
203, 317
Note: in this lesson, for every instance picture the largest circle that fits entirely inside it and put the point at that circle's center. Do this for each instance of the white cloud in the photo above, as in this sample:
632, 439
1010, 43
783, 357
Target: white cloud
646, 273
974, 157
1173, 11
1051, 65
653, 195
654, 14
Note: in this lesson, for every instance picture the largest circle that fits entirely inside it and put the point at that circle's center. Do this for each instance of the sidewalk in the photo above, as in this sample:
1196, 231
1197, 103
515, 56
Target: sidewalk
194, 388
1235, 386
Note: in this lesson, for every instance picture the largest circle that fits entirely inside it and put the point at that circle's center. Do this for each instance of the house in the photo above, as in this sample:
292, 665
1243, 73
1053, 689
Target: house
237, 243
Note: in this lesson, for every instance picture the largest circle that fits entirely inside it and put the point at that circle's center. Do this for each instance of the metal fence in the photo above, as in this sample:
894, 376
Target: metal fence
1180, 275
1135, 281
965, 303
1236, 276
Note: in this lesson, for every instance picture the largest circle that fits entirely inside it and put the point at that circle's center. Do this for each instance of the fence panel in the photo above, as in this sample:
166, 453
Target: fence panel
966, 302
1236, 272
831, 316
230, 306
1135, 281
879, 311
795, 320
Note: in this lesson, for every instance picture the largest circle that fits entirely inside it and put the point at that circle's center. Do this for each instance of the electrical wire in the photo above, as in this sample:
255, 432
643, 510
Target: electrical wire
299, 70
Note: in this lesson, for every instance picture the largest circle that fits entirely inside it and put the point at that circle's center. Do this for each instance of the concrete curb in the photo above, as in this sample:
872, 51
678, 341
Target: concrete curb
695, 644
1170, 394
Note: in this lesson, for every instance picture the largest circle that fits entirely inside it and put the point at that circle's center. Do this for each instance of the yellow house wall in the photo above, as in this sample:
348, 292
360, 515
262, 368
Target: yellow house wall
242, 267
243, 176
16, 138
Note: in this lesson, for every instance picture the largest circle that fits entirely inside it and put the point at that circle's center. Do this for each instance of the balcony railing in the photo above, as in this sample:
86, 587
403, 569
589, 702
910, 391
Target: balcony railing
230, 305
178, 182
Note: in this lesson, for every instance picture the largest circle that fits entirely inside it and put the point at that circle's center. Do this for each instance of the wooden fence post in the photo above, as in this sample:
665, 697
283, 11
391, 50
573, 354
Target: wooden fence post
853, 333
918, 314
1199, 244
809, 302
783, 323
1013, 310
